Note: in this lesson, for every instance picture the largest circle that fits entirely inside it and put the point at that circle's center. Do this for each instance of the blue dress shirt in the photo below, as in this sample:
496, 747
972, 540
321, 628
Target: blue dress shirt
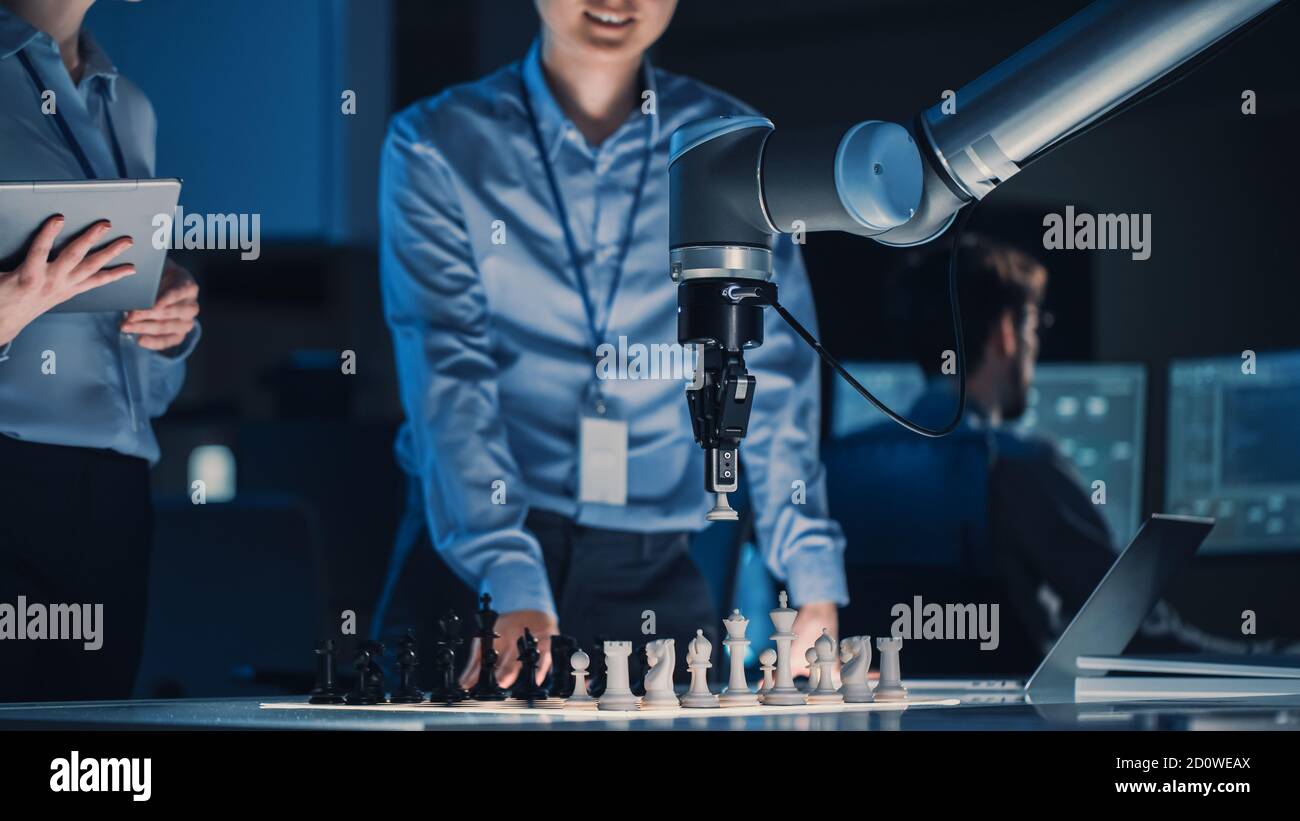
105, 389
494, 351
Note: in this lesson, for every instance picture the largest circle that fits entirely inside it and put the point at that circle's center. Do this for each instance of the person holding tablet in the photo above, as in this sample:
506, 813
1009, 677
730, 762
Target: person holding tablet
77, 390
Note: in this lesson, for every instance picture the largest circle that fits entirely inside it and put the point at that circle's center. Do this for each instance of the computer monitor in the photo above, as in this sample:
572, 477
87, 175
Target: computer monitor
897, 384
1234, 449
1095, 413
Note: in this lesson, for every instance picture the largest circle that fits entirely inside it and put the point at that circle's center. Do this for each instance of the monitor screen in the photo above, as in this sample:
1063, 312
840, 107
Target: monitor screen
896, 384
1234, 449
1094, 413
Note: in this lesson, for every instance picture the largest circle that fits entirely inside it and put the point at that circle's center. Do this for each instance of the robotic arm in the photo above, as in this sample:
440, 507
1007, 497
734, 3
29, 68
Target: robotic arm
736, 182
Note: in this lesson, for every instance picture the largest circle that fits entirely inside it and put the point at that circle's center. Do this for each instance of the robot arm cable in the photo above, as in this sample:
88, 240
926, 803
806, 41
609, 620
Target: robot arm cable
766, 297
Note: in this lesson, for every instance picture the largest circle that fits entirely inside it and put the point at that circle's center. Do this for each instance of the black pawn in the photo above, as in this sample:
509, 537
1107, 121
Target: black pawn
407, 660
446, 637
487, 688
363, 693
526, 687
562, 681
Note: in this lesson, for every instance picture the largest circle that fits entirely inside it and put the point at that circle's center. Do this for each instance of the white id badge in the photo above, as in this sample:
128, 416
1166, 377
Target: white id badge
602, 448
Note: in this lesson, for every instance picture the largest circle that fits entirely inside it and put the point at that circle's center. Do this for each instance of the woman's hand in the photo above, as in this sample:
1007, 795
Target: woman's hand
170, 320
40, 283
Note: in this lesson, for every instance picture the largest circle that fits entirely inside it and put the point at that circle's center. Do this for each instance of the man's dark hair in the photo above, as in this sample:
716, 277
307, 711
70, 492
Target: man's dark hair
992, 278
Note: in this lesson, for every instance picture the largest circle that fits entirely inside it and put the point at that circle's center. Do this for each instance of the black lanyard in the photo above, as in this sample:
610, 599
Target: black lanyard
597, 333
66, 130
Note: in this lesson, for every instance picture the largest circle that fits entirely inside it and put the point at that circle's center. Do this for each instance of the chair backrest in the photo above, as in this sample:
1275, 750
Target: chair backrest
908, 501
915, 517
236, 598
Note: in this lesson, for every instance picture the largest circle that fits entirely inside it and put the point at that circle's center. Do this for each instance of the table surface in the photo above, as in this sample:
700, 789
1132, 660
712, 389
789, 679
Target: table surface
977, 710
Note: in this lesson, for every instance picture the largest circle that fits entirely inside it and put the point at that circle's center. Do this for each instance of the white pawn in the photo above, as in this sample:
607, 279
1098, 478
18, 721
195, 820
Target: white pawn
824, 650
581, 699
661, 657
697, 661
737, 693
814, 673
618, 689
766, 663
890, 687
855, 655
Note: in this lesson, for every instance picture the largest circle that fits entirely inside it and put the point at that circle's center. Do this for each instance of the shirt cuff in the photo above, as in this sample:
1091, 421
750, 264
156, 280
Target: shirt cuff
518, 582
816, 574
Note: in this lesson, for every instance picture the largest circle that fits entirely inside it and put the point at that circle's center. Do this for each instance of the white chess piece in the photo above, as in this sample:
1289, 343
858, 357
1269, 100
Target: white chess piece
618, 689
783, 692
766, 663
855, 654
814, 672
890, 687
737, 693
697, 659
661, 657
581, 699
824, 652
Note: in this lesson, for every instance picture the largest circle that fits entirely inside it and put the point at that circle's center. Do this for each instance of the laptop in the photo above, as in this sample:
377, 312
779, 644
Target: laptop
1117, 607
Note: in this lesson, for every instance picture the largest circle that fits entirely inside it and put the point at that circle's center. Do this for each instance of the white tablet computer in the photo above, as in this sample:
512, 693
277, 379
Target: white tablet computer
131, 205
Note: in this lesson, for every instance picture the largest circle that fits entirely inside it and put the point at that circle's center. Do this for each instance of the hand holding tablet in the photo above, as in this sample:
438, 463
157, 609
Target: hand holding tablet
41, 282
170, 320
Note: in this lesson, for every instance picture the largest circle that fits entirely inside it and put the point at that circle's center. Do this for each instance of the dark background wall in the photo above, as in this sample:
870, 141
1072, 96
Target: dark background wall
269, 138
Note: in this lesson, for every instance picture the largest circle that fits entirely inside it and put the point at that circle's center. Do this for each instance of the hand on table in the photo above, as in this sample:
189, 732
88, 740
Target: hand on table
39, 283
172, 316
510, 626
812, 619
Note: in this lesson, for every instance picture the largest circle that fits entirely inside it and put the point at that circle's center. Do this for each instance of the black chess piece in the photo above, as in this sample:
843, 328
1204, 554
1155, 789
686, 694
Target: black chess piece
526, 687
637, 667
446, 637
325, 691
487, 688
407, 660
375, 672
364, 692
596, 681
562, 681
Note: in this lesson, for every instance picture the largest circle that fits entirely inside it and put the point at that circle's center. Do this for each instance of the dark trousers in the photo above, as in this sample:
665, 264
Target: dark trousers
76, 527
607, 584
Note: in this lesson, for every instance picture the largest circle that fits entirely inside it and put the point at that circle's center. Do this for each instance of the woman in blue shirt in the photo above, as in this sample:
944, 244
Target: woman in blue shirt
78, 391
524, 239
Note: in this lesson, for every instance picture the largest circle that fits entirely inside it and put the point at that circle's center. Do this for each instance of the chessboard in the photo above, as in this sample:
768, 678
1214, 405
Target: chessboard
837, 681
554, 713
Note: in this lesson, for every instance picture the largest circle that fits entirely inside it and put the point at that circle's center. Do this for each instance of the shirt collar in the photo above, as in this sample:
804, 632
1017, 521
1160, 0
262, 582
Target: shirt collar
95, 63
936, 405
551, 120
15, 33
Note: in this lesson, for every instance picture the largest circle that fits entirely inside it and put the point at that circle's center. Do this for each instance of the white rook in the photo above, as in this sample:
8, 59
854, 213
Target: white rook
890, 687
618, 687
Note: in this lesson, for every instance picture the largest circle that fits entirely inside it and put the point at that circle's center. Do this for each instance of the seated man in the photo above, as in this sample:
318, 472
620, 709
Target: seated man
1033, 540
1048, 538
